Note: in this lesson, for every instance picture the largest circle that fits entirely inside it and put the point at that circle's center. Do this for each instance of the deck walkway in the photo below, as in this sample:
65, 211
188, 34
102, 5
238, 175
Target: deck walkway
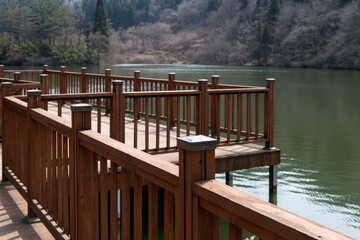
13, 209
228, 158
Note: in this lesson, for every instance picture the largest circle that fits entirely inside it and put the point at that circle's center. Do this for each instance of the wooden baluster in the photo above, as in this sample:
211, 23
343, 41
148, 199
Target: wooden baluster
239, 116
136, 115
256, 115
147, 124
214, 105
137, 207
81, 120
196, 163
178, 116
172, 100
153, 211
6, 91
63, 80
137, 88
125, 204
157, 115
248, 116
168, 124
107, 89
104, 199
99, 115
169, 217
188, 116
227, 117
234, 232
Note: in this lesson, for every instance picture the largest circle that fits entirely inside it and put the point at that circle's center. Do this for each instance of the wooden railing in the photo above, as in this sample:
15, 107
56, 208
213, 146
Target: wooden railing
71, 177
232, 114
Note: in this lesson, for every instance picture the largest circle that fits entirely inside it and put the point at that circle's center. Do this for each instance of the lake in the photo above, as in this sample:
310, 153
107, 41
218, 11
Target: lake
317, 128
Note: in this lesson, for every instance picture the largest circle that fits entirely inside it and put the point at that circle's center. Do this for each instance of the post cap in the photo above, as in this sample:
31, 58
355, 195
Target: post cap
117, 81
44, 75
63, 67
137, 71
203, 81
33, 92
46, 65
83, 68
17, 73
196, 143
1, 65
171, 73
108, 69
270, 79
6, 84
215, 76
81, 107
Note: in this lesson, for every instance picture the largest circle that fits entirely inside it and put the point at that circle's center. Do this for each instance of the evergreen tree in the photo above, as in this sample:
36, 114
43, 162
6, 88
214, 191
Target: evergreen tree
213, 5
244, 4
100, 22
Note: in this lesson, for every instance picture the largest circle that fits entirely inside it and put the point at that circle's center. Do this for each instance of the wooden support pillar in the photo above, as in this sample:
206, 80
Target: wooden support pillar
269, 128
196, 163
6, 91
63, 80
2, 73
44, 80
173, 111
117, 115
203, 115
80, 120
107, 89
33, 101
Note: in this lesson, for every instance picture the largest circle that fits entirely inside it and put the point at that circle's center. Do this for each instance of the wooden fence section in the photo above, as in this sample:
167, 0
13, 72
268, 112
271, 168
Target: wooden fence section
71, 178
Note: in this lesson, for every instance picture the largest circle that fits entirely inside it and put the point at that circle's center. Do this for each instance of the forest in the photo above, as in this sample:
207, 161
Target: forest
279, 33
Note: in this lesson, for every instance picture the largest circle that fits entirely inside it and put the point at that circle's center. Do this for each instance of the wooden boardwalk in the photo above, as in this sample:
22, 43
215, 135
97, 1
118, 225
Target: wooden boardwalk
13, 209
227, 158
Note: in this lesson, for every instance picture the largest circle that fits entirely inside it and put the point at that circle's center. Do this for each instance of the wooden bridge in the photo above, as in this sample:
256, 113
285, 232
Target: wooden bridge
96, 155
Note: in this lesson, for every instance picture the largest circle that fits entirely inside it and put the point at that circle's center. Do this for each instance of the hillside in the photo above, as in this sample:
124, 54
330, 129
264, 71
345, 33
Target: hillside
285, 33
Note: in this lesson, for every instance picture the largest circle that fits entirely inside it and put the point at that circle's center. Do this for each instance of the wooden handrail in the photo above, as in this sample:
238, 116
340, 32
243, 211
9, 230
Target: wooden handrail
161, 93
261, 218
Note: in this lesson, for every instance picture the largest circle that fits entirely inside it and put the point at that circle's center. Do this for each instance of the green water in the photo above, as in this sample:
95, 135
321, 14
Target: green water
317, 128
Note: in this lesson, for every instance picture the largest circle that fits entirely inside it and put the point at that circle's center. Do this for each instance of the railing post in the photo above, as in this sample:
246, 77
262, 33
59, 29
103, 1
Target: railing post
2, 73
6, 91
172, 87
196, 163
17, 76
117, 115
44, 80
83, 83
107, 89
269, 128
45, 69
203, 115
80, 120
63, 80
33, 101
